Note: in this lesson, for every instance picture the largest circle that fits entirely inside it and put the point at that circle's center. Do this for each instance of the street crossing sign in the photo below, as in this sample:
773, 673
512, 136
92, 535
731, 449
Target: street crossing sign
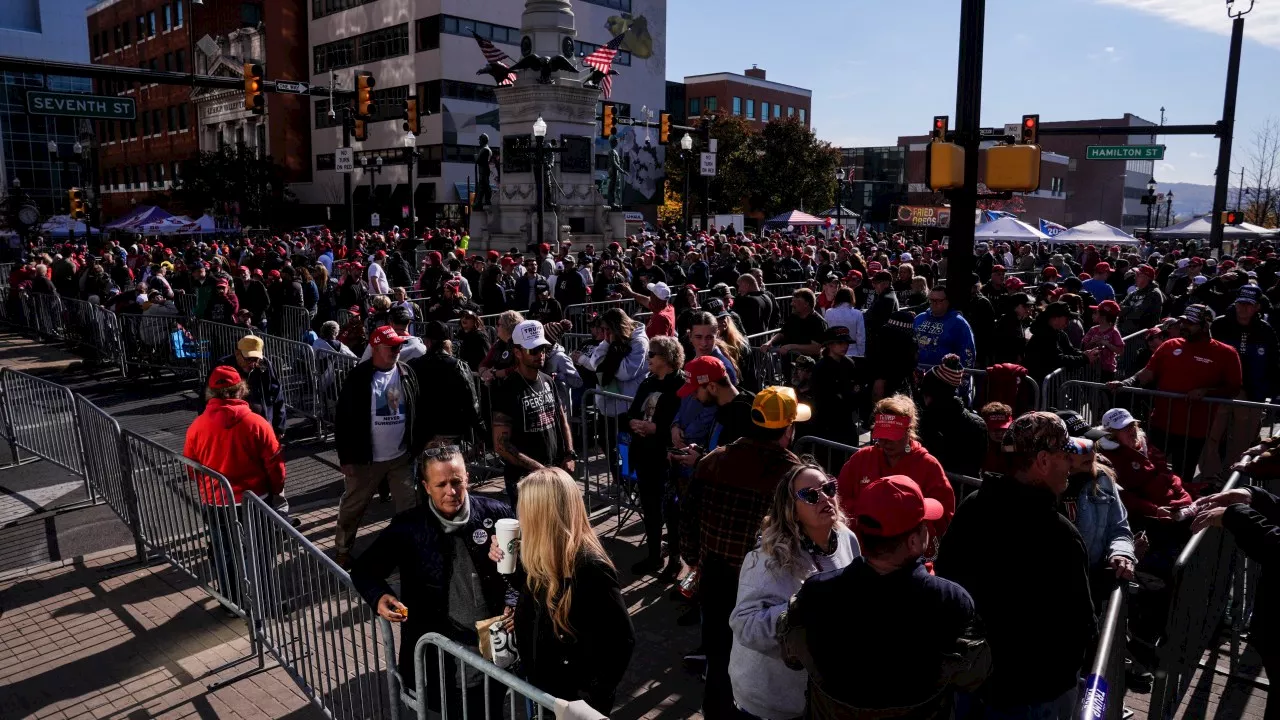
375, 220
289, 86
1124, 152
344, 160
708, 165
80, 105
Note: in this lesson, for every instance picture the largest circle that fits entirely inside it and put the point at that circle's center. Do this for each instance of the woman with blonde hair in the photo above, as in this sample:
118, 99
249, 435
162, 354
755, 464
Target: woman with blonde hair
572, 627
500, 357
803, 534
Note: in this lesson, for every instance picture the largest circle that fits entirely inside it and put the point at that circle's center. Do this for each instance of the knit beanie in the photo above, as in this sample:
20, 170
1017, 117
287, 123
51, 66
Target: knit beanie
943, 380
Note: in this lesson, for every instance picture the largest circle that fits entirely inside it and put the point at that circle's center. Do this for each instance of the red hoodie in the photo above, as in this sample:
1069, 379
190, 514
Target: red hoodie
1146, 482
869, 464
230, 439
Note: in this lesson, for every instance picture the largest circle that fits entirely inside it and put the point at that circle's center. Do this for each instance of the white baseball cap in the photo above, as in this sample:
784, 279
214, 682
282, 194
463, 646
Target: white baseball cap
529, 335
660, 290
1117, 419
905, 257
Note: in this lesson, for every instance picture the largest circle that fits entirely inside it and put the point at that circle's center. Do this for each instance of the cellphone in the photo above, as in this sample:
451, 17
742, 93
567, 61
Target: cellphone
679, 451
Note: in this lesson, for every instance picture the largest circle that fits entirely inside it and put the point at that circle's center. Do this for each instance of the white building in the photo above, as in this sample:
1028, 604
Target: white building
222, 117
427, 49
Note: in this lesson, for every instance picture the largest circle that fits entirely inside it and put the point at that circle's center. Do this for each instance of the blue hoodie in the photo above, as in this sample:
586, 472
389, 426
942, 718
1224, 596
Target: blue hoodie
939, 337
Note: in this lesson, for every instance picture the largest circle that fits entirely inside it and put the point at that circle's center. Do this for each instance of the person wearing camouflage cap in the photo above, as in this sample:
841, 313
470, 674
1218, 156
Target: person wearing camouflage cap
1027, 569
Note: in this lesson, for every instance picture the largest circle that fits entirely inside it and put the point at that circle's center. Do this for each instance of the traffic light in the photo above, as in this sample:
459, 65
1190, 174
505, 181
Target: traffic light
664, 128
253, 99
1013, 168
1232, 217
1030, 129
411, 115
940, 123
364, 94
361, 130
607, 124
944, 165
75, 202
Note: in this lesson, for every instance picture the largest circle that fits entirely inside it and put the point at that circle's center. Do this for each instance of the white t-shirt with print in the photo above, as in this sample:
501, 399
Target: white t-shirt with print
388, 411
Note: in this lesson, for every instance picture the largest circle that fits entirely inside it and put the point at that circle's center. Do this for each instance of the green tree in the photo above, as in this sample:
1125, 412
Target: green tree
735, 166
232, 177
794, 169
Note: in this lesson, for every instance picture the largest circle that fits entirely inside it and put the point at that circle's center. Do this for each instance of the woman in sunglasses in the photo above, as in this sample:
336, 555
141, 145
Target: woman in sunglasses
804, 533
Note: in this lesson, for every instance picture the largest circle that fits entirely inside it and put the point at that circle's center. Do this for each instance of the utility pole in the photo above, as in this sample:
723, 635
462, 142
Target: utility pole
964, 202
706, 180
1223, 178
348, 118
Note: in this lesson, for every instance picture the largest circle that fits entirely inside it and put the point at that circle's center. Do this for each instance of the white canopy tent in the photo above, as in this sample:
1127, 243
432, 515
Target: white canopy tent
1200, 229
63, 225
1008, 229
1094, 232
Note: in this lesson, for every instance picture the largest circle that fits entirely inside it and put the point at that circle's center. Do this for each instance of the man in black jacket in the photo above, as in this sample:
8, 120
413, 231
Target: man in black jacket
1027, 569
441, 551
753, 306
375, 434
448, 384
266, 394
1049, 347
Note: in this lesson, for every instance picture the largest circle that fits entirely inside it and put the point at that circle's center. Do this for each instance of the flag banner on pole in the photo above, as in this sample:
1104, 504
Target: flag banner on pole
495, 56
602, 61
1050, 228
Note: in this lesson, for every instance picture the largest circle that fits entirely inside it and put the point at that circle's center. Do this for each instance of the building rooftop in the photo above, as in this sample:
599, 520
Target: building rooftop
754, 76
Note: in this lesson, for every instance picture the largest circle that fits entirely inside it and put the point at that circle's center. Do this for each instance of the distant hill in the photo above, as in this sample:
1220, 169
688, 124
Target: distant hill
1190, 199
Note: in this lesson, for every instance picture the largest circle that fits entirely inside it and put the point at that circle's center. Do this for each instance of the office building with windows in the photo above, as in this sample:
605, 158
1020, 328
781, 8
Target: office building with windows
427, 50
141, 159
30, 166
750, 95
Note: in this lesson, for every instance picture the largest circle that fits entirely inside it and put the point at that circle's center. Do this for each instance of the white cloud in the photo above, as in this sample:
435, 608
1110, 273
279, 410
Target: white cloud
1197, 155
1165, 167
1262, 24
1109, 49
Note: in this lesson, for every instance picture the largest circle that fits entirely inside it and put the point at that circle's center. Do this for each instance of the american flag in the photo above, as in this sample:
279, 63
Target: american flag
602, 61
493, 55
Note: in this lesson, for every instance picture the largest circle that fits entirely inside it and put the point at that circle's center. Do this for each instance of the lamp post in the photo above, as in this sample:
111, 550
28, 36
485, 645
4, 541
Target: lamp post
1150, 201
686, 150
540, 140
411, 158
839, 197
373, 179
1168, 208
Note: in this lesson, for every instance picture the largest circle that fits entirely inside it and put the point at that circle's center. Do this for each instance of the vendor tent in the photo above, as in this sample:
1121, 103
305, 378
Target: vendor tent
1200, 228
1094, 232
60, 226
840, 214
202, 224
1008, 229
1261, 231
795, 217
138, 217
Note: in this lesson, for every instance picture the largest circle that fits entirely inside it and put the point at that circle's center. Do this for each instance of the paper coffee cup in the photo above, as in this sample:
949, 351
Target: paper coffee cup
508, 533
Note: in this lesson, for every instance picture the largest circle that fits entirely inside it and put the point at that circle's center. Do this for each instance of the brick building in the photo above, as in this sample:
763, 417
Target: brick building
140, 159
750, 95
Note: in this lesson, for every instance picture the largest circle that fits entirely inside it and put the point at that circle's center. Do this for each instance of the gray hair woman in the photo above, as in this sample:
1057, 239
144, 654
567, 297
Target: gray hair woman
804, 533
327, 339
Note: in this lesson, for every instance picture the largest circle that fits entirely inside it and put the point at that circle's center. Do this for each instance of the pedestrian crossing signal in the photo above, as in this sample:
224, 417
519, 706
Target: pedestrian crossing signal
360, 131
1232, 217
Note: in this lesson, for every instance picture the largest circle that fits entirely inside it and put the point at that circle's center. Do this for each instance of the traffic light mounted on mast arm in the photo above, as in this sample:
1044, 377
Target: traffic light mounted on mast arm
411, 115
253, 98
75, 203
1016, 168
607, 122
944, 161
664, 128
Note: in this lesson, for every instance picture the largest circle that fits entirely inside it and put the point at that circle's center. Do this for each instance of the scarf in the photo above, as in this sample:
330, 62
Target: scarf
459, 522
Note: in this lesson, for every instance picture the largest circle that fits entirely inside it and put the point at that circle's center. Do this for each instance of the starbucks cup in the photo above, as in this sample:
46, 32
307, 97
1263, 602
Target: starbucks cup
508, 533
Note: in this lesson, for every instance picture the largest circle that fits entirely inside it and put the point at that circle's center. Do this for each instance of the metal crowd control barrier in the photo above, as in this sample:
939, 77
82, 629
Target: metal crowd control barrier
1199, 594
580, 315
1104, 687
157, 343
831, 455
46, 315
294, 363
104, 467
331, 373
294, 323
599, 436
312, 621
1051, 385
962, 486
452, 706
40, 417
186, 304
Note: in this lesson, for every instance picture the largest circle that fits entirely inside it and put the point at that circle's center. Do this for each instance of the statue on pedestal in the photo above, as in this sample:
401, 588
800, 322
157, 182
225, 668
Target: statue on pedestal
614, 198
484, 158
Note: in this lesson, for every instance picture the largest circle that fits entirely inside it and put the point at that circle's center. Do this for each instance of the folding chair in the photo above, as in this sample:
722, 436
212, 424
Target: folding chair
628, 504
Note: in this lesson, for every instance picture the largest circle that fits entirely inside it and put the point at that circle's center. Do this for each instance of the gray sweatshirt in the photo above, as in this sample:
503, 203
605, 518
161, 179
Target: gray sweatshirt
762, 684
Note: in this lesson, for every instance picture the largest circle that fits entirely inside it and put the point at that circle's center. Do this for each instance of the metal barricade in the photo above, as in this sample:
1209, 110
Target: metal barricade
962, 486
782, 290
1199, 594
312, 621
580, 315
158, 343
1104, 688
1134, 344
294, 363
186, 304
294, 323
600, 418
104, 470
1052, 394
831, 455
46, 315
536, 705
40, 417
331, 373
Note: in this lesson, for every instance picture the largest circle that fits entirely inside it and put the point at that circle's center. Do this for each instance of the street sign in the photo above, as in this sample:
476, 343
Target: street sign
375, 220
344, 160
404, 211
78, 105
1124, 152
1014, 129
708, 165
289, 86
714, 145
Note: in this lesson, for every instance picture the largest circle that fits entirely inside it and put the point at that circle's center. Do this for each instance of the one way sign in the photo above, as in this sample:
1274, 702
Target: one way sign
290, 86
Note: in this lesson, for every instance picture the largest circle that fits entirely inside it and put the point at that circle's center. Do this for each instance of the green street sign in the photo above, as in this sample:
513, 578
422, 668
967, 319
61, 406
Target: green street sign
108, 107
1125, 152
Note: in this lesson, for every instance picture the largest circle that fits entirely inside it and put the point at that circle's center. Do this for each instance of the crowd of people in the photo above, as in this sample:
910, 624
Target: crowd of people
772, 550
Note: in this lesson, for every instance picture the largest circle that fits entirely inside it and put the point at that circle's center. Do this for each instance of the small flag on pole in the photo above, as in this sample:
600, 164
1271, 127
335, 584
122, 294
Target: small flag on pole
494, 56
602, 61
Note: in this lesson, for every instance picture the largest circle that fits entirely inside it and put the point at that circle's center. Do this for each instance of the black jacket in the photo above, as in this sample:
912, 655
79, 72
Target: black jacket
955, 435
1048, 350
266, 394
589, 665
570, 288
756, 311
1009, 343
838, 388
1027, 569
416, 546
353, 428
455, 406
650, 451
1256, 528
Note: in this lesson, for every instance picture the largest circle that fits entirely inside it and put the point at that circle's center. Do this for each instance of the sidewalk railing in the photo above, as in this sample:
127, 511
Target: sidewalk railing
831, 455
1104, 687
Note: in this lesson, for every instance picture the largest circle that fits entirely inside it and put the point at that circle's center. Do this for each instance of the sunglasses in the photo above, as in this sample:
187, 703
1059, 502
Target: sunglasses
811, 495
445, 451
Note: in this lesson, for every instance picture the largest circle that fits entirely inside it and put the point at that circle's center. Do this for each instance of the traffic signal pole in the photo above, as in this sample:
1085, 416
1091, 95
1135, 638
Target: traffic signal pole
964, 201
347, 120
1223, 178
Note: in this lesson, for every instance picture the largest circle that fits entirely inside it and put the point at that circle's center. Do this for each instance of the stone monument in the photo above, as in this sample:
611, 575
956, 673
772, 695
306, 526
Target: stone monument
551, 86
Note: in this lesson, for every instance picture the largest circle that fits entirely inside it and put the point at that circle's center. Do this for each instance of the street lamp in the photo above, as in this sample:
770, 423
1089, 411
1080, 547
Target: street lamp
1168, 208
411, 157
839, 197
686, 148
540, 139
1150, 201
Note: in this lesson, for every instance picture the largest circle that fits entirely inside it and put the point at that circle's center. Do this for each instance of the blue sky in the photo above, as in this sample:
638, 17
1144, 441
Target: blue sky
877, 72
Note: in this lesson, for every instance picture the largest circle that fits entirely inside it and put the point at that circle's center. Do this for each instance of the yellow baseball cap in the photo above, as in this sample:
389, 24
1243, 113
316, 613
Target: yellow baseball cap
250, 346
776, 407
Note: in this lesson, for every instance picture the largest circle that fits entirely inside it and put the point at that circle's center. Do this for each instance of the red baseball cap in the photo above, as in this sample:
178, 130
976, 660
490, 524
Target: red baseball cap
892, 506
890, 427
997, 268
1013, 284
387, 335
1147, 270
700, 371
1102, 267
223, 376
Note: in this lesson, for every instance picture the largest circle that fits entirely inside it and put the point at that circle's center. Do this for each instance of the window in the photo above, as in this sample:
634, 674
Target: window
106, 39
151, 24
362, 49
110, 127
710, 104
751, 109
427, 32
142, 27
146, 124
131, 176
737, 106
802, 115
764, 112
388, 103
177, 9
151, 175
157, 121
320, 8
173, 118
182, 117
168, 61
777, 111
623, 5
96, 49
115, 33
324, 161
180, 60
695, 106
166, 17
154, 64
791, 112
250, 15
174, 170
124, 31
